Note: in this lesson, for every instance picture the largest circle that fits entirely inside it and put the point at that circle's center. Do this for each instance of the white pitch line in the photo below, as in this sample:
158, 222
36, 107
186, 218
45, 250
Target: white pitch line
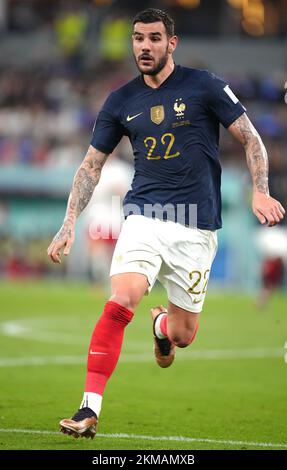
41, 361
155, 438
35, 330
216, 354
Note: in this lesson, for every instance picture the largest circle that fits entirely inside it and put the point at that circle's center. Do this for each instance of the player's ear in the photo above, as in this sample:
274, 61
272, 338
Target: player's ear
172, 44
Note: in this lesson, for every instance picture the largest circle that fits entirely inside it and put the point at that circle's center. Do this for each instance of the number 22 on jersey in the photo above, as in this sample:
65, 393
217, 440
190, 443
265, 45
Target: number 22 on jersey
167, 141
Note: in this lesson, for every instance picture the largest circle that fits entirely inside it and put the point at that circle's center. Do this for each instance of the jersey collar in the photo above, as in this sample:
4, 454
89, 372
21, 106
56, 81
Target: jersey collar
166, 82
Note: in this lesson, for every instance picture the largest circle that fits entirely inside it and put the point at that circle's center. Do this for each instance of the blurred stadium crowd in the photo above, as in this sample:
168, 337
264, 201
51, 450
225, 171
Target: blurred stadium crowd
46, 118
48, 106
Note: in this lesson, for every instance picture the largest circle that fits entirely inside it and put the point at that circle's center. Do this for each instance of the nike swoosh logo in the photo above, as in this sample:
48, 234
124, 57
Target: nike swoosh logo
98, 353
197, 301
130, 118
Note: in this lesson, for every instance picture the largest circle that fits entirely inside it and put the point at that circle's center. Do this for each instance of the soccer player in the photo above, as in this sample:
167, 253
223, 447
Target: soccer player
171, 115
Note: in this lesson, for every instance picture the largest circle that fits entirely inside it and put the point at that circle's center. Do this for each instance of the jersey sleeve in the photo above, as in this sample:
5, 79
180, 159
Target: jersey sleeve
222, 101
108, 130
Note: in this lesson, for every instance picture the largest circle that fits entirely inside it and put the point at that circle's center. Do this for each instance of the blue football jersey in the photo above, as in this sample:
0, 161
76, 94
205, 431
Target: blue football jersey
174, 133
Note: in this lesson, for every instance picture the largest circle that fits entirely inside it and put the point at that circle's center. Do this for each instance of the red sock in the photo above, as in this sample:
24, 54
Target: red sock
105, 346
163, 325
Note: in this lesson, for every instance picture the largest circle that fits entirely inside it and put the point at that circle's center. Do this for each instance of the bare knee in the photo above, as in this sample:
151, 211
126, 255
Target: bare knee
128, 289
183, 339
181, 342
127, 300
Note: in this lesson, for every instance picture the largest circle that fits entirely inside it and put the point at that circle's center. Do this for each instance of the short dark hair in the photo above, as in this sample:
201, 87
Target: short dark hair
151, 15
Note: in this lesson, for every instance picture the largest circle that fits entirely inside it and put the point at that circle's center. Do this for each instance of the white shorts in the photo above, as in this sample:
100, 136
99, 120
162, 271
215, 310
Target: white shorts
179, 257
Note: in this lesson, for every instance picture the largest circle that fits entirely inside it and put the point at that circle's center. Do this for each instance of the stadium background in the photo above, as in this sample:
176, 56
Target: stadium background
58, 62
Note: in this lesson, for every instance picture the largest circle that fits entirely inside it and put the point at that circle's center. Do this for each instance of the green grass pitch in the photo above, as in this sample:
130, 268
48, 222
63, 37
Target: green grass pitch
226, 391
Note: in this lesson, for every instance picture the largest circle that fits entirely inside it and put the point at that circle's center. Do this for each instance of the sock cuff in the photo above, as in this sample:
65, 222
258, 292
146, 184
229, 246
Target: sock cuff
118, 312
163, 324
160, 326
93, 401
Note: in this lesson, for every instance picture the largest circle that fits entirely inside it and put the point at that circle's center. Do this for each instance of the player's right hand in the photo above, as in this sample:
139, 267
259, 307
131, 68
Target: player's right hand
267, 209
63, 239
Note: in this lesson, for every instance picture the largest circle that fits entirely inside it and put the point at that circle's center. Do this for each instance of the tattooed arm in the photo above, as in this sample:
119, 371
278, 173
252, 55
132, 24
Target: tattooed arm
85, 180
264, 206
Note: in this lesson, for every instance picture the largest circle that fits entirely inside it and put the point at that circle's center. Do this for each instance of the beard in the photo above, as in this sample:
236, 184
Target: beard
157, 66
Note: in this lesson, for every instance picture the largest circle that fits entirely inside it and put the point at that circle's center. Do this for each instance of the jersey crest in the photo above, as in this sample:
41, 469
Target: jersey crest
179, 107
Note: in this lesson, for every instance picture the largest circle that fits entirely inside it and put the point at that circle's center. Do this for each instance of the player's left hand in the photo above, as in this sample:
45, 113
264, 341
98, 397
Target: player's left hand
64, 239
267, 209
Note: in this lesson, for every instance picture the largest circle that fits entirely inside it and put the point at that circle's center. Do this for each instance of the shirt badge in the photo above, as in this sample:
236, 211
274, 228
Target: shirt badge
157, 114
179, 108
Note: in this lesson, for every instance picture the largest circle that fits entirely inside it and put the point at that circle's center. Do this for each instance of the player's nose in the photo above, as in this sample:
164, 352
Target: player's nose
145, 46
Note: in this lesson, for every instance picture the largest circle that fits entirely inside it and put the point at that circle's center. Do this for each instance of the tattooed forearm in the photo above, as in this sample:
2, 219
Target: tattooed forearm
84, 185
256, 154
257, 161
85, 181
